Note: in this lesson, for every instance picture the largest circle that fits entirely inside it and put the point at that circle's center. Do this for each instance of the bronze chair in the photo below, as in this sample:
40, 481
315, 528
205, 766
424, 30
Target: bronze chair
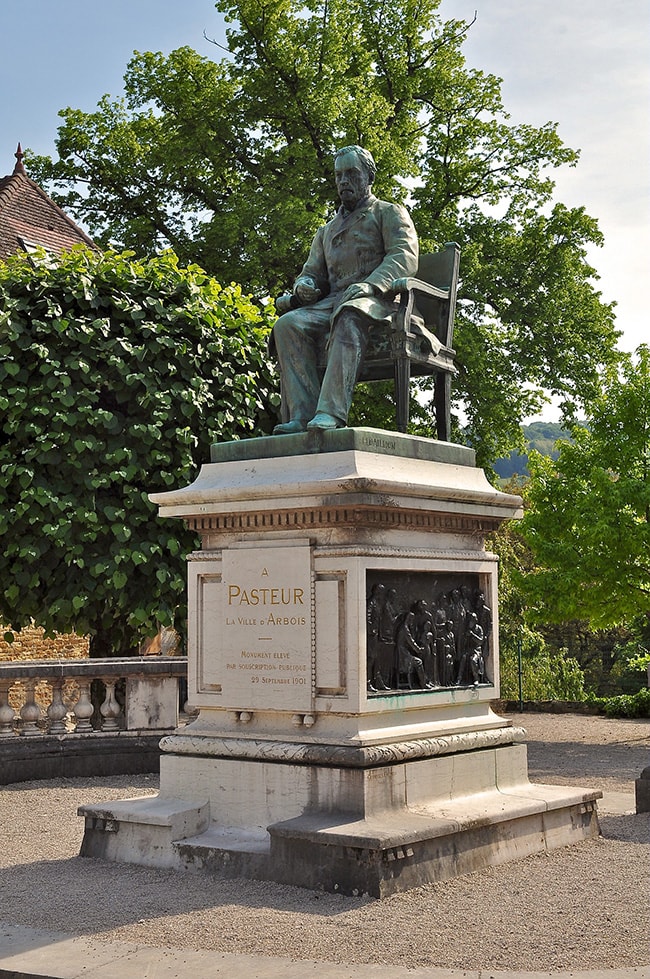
420, 341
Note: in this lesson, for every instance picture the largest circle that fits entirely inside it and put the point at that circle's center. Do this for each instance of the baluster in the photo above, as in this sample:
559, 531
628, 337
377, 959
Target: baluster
30, 711
57, 710
83, 709
110, 709
7, 713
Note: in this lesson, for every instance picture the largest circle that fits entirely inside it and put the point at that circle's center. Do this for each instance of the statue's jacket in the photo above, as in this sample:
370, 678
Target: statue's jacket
376, 244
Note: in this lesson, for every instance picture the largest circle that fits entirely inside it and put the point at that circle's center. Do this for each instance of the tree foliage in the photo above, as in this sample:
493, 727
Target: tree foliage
564, 659
230, 163
603, 654
588, 522
115, 376
547, 673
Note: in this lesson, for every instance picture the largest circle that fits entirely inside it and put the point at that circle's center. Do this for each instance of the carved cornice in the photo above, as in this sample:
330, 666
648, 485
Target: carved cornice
339, 756
371, 550
357, 550
363, 516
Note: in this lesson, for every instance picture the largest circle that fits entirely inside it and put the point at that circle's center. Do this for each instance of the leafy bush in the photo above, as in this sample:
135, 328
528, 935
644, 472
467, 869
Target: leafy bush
628, 705
115, 377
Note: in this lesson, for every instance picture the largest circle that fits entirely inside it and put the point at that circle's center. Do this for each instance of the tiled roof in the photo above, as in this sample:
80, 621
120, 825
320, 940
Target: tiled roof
28, 215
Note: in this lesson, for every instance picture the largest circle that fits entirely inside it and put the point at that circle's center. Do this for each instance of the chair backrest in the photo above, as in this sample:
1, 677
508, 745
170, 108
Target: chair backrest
440, 269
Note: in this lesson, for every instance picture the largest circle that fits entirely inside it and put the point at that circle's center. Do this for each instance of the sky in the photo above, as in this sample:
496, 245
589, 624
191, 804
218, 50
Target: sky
584, 64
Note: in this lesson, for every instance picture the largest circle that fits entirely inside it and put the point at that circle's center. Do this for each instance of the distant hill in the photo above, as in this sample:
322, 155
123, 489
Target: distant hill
541, 436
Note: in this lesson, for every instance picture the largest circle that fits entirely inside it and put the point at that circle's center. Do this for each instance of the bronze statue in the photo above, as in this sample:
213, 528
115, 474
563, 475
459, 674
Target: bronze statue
484, 615
339, 293
409, 653
374, 608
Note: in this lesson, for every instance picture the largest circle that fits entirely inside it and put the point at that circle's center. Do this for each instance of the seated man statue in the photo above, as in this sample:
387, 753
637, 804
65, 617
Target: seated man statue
339, 293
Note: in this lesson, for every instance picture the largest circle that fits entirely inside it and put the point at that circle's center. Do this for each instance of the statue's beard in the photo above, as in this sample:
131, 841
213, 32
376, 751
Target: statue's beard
353, 205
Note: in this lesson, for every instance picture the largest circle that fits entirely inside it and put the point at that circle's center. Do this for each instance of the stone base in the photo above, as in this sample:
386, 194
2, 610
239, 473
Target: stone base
326, 754
78, 756
383, 857
355, 830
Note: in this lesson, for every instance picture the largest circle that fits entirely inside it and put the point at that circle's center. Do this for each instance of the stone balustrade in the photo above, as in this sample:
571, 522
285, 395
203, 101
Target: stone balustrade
58, 697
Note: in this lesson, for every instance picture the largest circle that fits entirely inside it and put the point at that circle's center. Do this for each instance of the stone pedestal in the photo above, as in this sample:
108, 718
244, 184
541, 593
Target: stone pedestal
343, 653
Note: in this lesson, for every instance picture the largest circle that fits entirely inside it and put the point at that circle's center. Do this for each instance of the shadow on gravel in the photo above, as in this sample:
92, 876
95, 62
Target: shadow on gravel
630, 828
98, 895
575, 760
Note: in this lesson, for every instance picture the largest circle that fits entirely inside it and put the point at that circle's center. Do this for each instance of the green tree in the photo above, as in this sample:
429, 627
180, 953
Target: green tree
588, 523
115, 376
546, 673
559, 659
230, 163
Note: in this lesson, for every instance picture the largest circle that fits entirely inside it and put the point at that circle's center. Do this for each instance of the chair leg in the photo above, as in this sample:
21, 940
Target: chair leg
284, 409
402, 382
441, 402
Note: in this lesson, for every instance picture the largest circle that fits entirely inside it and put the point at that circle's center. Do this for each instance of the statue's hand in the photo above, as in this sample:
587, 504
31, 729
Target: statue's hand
283, 303
359, 290
306, 291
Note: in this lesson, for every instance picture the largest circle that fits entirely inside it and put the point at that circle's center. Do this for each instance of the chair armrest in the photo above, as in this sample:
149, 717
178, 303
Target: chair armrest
417, 285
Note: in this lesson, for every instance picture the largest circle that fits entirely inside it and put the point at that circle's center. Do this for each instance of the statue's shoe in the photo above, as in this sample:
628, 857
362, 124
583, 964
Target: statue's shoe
324, 422
290, 428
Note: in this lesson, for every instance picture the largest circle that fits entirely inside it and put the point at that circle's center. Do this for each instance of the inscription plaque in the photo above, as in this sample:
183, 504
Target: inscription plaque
267, 628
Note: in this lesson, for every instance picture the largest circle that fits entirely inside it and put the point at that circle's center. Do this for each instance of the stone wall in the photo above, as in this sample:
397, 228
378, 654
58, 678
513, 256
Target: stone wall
30, 643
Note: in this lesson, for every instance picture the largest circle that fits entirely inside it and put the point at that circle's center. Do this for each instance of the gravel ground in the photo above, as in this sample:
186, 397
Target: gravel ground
583, 907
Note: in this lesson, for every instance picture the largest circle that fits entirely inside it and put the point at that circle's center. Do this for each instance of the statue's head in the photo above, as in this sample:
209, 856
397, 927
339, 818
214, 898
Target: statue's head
354, 171
365, 158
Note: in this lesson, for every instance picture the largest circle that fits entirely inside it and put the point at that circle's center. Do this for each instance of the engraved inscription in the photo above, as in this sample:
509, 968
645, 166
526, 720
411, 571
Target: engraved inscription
378, 442
379, 774
267, 628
